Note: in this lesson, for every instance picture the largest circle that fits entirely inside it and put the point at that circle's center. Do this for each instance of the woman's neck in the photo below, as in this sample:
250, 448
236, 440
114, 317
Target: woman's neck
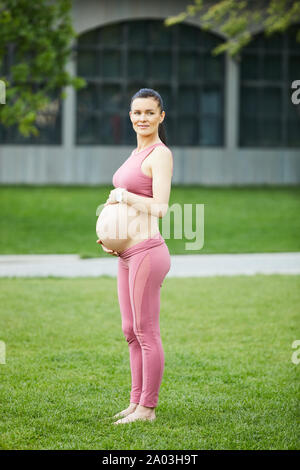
141, 145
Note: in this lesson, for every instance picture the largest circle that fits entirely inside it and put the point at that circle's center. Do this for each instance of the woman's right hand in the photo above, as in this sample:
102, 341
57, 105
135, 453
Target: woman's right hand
108, 250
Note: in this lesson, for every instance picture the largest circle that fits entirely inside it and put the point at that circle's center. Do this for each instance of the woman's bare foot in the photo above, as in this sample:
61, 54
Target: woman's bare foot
141, 413
131, 408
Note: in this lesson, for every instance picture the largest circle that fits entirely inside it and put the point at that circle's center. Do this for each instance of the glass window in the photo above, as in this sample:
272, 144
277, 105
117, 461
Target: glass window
168, 102
88, 98
90, 38
111, 35
270, 131
268, 118
137, 64
213, 67
293, 132
189, 37
249, 128
111, 64
294, 67
188, 130
132, 87
119, 59
188, 100
129, 131
170, 125
208, 41
48, 125
111, 98
250, 67
137, 33
188, 66
211, 101
272, 67
211, 130
88, 63
161, 66
271, 102
159, 35
111, 128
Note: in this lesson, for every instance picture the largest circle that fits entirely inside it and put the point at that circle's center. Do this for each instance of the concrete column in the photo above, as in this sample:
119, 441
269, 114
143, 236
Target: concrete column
68, 128
231, 103
68, 119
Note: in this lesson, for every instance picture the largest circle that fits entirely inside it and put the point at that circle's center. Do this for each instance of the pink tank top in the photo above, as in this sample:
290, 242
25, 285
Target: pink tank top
130, 175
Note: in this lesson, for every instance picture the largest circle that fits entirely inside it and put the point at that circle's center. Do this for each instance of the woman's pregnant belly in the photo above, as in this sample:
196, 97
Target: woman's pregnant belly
120, 226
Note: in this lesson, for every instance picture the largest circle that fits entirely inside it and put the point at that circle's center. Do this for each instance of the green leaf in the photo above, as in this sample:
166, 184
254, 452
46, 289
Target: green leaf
42, 35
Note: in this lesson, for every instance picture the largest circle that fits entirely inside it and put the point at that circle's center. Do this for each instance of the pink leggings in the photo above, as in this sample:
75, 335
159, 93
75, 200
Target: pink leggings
141, 271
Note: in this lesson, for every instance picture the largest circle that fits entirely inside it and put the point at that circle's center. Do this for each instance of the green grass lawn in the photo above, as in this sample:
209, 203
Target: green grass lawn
229, 382
56, 219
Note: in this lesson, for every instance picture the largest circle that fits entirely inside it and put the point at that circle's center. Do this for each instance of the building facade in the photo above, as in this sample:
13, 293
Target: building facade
228, 122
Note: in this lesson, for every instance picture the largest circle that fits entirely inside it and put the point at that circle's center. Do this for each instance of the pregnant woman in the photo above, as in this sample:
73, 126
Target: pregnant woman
128, 228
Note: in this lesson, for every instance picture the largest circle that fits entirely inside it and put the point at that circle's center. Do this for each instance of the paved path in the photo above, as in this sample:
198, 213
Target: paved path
181, 265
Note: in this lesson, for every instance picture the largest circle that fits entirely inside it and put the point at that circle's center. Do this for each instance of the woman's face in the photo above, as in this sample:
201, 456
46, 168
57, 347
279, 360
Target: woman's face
145, 115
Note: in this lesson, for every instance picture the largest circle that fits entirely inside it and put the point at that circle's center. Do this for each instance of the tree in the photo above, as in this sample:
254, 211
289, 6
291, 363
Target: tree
237, 20
35, 46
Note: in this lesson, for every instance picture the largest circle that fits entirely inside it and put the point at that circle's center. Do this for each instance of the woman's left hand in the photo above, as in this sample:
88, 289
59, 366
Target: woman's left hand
112, 197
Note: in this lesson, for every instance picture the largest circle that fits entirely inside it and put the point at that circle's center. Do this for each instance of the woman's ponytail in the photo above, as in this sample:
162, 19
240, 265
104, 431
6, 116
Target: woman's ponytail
162, 133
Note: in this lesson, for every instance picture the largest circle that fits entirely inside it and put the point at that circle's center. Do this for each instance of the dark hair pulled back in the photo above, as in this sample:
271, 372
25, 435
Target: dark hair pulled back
150, 93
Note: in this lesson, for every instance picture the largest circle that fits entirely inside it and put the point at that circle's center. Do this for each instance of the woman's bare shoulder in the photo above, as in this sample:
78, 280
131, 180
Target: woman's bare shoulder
161, 155
159, 152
